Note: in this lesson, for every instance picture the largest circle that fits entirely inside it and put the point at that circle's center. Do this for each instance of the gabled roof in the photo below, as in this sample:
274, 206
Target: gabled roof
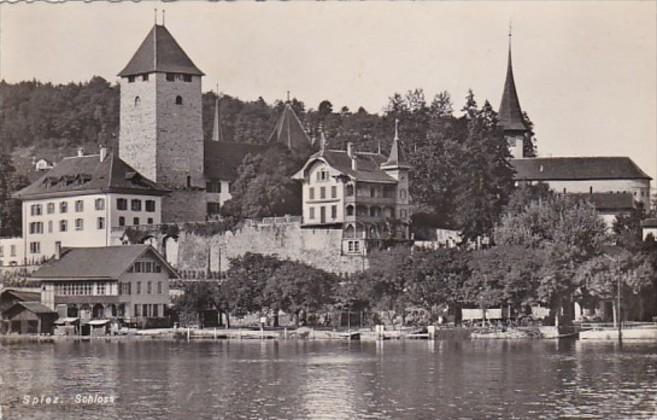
159, 52
24, 294
609, 201
576, 168
96, 263
510, 114
89, 175
367, 166
289, 130
34, 307
222, 159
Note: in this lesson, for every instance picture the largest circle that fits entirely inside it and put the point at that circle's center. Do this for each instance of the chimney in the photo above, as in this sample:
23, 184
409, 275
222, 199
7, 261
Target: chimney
352, 154
103, 152
58, 250
80, 151
350, 151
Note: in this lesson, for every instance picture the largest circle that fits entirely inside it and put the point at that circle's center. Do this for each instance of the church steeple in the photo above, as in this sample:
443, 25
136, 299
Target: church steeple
510, 113
397, 157
217, 135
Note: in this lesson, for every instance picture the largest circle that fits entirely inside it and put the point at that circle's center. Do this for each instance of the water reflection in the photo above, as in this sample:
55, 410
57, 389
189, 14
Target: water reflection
312, 379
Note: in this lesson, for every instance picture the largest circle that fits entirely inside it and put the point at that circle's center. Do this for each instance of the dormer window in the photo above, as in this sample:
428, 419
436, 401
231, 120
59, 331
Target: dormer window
322, 175
179, 100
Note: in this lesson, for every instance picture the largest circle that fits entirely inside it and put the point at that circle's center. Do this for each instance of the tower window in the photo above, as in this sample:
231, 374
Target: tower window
137, 100
171, 77
178, 100
131, 79
189, 180
144, 77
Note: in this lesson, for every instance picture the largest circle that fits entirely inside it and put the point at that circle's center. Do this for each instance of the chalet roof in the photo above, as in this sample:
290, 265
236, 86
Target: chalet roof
368, 165
609, 201
96, 263
159, 52
34, 307
222, 159
289, 130
510, 114
88, 175
577, 168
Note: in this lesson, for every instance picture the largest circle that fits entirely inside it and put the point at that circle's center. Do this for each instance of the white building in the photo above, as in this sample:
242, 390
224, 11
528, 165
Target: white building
80, 201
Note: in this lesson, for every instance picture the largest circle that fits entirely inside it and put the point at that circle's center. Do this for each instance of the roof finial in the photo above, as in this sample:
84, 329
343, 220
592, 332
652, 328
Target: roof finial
163, 16
396, 128
155, 15
510, 33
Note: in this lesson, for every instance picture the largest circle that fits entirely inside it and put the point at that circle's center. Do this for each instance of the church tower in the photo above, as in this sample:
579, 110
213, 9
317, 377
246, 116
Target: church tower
510, 114
161, 130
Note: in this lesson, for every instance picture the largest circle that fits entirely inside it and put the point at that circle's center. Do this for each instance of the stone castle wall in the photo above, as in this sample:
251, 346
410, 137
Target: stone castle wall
320, 248
184, 205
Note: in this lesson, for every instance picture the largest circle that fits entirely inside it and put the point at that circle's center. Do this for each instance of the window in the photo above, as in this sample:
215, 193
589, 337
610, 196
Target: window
100, 289
79, 205
144, 309
49, 226
350, 210
350, 190
149, 221
99, 204
131, 79
79, 224
100, 223
155, 311
178, 100
213, 208
63, 207
150, 206
149, 288
356, 246
12, 250
334, 212
121, 221
157, 268
187, 77
135, 221
35, 247
139, 288
136, 310
35, 210
311, 214
144, 77
372, 192
121, 204
171, 77
50, 208
334, 192
159, 287
124, 289
213, 186
402, 193
2, 251
63, 225
322, 175
36, 228
311, 193
137, 100
189, 181
135, 205
322, 193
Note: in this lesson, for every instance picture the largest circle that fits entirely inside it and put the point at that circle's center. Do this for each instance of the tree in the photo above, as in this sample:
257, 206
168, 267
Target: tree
197, 297
246, 280
487, 179
10, 208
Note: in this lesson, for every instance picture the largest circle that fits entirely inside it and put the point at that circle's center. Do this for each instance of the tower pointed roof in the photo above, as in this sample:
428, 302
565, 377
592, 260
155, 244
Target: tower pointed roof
289, 130
397, 157
217, 135
159, 52
510, 113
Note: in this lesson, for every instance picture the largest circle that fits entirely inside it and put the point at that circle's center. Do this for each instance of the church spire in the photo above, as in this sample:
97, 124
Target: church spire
216, 125
510, 113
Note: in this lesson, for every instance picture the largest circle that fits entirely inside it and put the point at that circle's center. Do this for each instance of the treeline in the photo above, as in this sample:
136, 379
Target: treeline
461, 177
552, 250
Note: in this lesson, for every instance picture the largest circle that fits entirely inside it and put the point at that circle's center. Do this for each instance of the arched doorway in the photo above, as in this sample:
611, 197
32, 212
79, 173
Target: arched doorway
98, 311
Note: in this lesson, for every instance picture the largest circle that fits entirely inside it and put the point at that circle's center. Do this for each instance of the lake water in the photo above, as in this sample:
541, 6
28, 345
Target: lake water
321, 379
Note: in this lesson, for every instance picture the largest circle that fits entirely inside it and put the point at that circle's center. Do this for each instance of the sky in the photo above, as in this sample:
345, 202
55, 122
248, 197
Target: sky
586, 71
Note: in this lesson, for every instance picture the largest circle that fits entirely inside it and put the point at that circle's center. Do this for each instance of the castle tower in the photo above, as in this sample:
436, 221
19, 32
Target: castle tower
398, 167
161, 131
510, 114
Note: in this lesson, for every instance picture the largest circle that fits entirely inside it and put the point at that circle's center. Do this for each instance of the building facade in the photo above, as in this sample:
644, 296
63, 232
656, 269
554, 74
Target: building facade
80, 202
129, 282
364, 194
